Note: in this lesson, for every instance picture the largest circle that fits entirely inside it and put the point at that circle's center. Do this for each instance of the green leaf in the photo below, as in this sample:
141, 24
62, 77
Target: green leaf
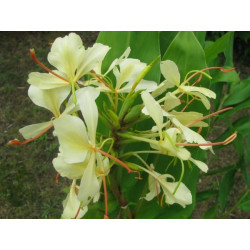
245, 203
220, 76
226, 186
166, 37
205, 195
244, 171
218, 46
211, 212
238, 107
239, 94
201, 35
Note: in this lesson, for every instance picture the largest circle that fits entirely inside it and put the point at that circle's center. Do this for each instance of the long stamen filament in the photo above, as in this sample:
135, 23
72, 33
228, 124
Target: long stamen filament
105, 197
228, 140
207, 116
33, 55
17, 142
118, 161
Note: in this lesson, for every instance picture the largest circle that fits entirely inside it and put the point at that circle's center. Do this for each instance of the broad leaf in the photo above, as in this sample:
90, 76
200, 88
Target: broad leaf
226, 186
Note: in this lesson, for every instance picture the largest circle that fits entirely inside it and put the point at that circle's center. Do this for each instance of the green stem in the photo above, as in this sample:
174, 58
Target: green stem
181, 178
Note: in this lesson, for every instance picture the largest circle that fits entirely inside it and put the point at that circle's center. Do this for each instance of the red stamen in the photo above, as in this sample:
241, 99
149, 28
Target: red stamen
17, 142
199, 130
78, 211
99, 79
228, 140
105, 197
207, 116
119, 161
222, 69
192, 85
188, 104
50, 44
57, 177
162, 199
33, 55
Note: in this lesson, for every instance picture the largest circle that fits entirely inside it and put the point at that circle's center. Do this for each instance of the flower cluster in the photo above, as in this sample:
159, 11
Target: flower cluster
87, 156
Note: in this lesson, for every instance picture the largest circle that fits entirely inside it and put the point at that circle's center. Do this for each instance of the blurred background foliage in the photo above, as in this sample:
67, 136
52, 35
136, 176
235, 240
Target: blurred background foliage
27, 177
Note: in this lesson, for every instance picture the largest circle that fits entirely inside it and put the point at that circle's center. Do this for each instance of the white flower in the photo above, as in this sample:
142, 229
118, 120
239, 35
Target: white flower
51, 99
171, 73
71, 204
71, 60
126, 71
174, 192
77, 146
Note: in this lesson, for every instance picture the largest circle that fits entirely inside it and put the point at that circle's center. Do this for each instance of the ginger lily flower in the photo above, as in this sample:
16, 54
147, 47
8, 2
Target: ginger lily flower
50, 99
71, 205
174, 192
71, 60
171, 73
126, 71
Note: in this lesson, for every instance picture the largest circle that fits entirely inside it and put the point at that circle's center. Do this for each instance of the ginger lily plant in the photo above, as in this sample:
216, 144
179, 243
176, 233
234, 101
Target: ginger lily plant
88, 155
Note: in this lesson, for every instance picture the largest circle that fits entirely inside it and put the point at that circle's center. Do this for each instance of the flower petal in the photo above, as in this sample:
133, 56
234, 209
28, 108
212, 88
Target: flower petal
50, 99
89, 183
182, 196
188, 117
89, 110
207, 92
46, 80
71, 171
170, 71
72, 137
66, 54
146, 85
71, 205
171, 101
201, 165
31, 131
190, 135
154, 188
154, 109
129, 70
92, 57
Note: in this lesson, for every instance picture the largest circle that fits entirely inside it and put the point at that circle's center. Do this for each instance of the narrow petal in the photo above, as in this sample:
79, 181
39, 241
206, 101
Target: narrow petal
89, 110
190, 135
66, 54
119, 60
201, 165
154, 109
89, 183
148, 86
71, 171
72, 137
204, 99
46, 80
154, 188
50, 99
188, 117
170, 71
171, 101
207, 92
31, 131
129, 71
71, 205
182, 196
92, 58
